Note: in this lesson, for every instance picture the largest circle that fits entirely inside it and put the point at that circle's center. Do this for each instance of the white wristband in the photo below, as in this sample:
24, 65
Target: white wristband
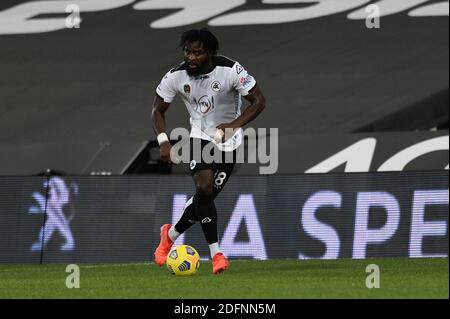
162, 138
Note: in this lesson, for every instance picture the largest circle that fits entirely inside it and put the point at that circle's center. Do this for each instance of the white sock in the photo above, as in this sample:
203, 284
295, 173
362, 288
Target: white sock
214, 249
173, 234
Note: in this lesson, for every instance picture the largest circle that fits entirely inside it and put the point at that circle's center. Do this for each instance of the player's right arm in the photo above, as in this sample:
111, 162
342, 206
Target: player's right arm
165, 93
159, 126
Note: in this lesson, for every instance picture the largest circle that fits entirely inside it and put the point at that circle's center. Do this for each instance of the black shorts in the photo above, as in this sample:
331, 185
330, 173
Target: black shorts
222, 169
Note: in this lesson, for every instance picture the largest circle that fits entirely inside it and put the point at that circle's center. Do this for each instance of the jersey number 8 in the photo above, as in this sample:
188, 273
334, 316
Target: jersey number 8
220, 178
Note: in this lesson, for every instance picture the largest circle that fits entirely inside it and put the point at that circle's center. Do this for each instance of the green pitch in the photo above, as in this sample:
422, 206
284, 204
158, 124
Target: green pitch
399, 278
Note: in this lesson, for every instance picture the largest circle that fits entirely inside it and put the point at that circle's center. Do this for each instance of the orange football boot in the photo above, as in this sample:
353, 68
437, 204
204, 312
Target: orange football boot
220, 263
164, 245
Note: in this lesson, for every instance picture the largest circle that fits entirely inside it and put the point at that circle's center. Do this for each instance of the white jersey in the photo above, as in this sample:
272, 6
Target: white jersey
211, 99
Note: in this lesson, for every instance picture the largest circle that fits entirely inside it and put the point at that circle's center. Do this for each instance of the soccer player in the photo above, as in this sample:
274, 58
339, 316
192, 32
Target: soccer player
211, 87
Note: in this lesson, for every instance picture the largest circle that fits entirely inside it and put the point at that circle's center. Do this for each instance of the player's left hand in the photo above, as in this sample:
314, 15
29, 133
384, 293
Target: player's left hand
228, 130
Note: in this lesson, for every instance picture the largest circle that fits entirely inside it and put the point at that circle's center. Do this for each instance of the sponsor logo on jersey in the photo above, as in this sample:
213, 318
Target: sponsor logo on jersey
205, 104
245, 81
216, 86
239, 69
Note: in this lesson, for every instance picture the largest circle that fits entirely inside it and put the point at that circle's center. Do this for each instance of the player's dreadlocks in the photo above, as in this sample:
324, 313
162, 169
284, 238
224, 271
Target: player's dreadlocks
204, 36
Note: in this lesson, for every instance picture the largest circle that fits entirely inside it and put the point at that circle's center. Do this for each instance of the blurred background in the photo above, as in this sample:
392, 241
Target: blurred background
78, 100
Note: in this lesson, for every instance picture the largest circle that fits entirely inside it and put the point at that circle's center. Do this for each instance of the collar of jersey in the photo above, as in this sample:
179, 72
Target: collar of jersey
203, 76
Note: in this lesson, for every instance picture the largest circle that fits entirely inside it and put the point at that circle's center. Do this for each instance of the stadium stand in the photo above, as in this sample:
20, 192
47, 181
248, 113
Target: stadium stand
95, 84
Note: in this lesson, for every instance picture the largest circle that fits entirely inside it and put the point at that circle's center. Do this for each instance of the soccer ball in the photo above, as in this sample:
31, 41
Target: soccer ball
183, 260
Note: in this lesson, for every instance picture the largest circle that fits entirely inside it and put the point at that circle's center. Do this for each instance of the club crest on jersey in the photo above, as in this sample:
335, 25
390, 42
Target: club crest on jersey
187, 88
215, 86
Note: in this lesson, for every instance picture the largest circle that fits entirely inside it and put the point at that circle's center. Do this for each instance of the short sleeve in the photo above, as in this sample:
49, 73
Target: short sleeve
242, 81
167, 88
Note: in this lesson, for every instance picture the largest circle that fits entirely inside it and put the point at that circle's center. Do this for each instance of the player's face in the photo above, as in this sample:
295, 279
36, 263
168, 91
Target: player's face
195, 57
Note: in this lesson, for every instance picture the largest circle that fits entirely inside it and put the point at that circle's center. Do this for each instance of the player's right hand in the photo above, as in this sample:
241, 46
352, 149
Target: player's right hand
164, 150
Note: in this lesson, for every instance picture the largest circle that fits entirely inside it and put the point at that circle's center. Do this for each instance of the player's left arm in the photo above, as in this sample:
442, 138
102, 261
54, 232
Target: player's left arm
257, 103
